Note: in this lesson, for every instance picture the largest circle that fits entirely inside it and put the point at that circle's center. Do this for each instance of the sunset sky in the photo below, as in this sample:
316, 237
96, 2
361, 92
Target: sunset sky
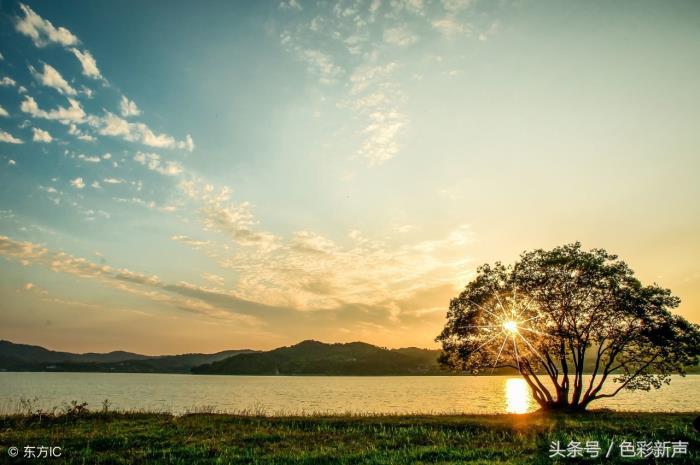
199, 176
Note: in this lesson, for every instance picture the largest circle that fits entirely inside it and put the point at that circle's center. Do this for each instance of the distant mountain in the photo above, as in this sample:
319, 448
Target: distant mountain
29, 353
355, 358
317, 358
23, 357
305, 358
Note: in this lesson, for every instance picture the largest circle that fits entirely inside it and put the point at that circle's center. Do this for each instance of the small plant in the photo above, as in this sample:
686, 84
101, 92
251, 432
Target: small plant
106, 404
75, 409
28, 406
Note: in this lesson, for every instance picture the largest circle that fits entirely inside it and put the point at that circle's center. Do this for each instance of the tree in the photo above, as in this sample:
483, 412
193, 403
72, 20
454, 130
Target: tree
555, 315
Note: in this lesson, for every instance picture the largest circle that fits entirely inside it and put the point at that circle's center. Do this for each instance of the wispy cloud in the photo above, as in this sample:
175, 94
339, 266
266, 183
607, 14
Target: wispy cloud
73, 130
400, 35
88, 63
113, 125
309, 271
73, 114
360, 47
154, 163
128, 107
41, 31
182, 295
50, 77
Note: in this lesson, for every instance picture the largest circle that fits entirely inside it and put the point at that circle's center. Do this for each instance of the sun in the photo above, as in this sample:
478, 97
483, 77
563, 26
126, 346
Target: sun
510, 326
508, 321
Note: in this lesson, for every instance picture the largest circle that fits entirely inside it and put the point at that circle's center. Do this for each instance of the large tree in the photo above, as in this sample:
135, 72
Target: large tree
558, 314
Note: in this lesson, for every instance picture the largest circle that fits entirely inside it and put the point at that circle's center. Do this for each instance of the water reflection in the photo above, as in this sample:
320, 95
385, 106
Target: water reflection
328, 394
517, 396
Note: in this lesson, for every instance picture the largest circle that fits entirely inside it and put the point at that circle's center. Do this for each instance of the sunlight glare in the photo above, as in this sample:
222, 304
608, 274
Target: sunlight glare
517, 396
510, 326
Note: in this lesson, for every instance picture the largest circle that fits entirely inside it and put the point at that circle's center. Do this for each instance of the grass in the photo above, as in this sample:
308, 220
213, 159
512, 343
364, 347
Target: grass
210, 438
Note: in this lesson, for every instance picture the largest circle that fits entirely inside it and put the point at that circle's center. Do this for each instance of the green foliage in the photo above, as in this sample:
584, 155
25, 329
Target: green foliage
142, 438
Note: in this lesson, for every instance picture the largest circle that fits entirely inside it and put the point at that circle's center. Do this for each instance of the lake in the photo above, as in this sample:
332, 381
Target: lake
308, 394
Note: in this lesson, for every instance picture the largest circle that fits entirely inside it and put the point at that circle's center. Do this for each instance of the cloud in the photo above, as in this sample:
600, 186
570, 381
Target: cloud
88, 63
78, 183
3, 112
145, 203
358, 47
236, 221
11, 162
7, 81
383, 130
333, 287
50, 77
310, 271
89, 158
73, 130
113, 125
153, 162
290, 5
417, 7
371, 89
322, 65
194, 243
9, 138
73, 114
41, 31
214, 279
454, 6
182, 295
449, 26
128, 107
113, 181
39, 135
400, 36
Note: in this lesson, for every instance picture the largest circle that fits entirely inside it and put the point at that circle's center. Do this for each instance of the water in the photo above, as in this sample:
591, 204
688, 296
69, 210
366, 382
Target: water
291, 394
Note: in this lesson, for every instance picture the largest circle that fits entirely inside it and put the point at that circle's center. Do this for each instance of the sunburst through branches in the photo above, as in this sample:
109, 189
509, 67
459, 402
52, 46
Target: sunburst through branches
509, 330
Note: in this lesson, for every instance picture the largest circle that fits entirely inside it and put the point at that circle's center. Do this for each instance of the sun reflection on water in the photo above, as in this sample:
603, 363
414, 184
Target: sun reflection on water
517, 396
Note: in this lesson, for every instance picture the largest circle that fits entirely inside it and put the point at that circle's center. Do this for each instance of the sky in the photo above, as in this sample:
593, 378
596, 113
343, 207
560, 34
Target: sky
193, 177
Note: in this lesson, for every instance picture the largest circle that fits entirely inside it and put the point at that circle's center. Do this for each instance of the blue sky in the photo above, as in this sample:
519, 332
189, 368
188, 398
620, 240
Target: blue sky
184, 177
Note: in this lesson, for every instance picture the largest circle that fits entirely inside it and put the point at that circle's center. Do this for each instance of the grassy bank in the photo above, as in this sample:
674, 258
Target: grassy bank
121, 438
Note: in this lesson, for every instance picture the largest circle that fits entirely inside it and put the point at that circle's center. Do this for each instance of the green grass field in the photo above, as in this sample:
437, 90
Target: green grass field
124, 438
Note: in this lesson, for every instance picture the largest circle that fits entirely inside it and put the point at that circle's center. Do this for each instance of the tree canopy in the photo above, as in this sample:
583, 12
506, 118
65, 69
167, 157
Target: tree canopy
557, 314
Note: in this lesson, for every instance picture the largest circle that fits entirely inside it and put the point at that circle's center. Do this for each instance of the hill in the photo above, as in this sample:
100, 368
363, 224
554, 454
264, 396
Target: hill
306, 358
317, 358
23, 357
30, 353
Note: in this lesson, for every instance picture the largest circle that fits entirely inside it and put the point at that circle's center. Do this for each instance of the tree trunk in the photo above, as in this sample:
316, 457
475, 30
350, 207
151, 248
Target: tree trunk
566, 407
